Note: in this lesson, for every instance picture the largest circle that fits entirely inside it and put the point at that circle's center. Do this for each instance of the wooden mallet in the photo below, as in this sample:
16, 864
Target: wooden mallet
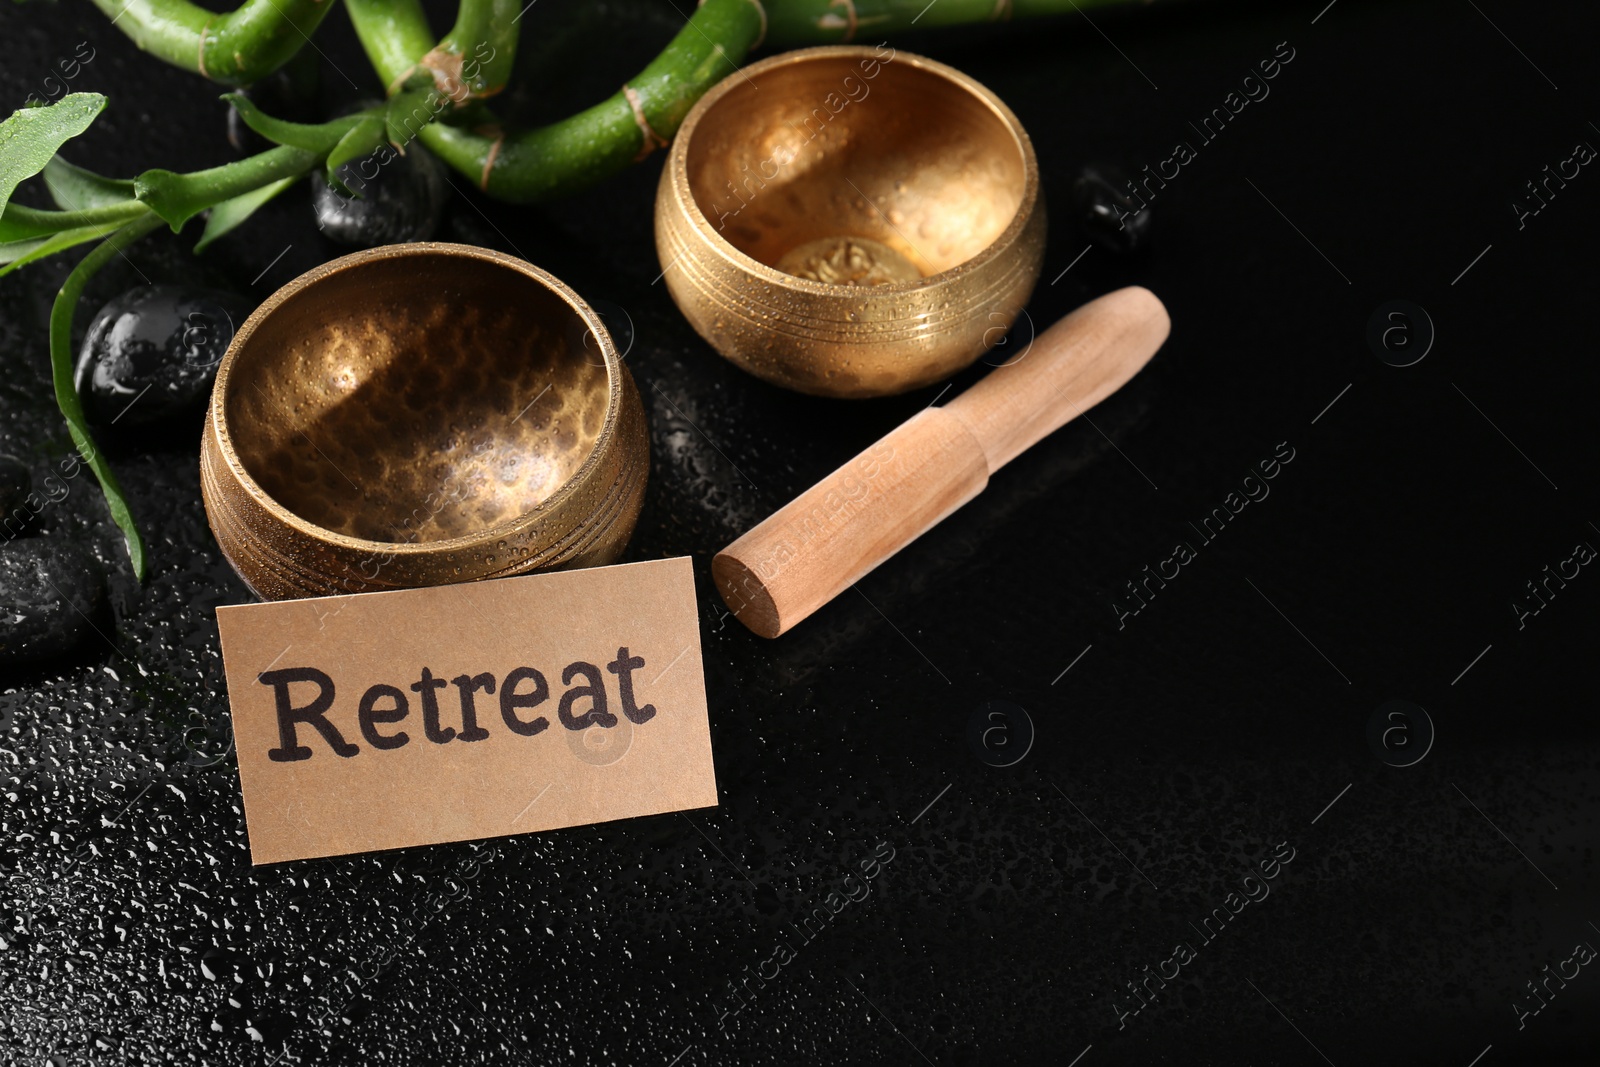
828, 537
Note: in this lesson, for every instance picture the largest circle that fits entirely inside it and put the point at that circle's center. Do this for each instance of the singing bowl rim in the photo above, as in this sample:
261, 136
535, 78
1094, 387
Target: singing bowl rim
678, 168
217, 420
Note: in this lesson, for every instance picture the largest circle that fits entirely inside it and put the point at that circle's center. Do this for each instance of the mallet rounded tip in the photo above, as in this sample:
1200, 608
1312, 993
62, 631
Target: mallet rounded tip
1154, 311
746, 595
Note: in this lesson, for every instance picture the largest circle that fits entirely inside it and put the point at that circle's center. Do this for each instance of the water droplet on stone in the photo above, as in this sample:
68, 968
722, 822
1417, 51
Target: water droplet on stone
1107, 214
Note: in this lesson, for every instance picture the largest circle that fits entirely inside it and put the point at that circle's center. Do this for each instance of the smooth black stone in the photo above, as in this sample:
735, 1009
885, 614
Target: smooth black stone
16, 481
1107, 214
397, 198
49, 592
153, 351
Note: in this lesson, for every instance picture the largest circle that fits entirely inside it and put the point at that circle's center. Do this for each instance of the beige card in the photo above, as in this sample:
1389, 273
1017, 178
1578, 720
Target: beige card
379, 720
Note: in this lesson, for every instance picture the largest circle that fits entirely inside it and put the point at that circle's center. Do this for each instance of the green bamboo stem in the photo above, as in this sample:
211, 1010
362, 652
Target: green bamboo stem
236, 48
393, 33
541, 164
535, 165
484, 44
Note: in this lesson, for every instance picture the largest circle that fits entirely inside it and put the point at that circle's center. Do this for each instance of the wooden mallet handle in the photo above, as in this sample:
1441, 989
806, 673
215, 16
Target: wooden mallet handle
828, 537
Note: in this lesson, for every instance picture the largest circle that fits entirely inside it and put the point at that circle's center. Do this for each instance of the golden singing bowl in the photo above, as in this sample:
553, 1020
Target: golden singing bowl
850, 221
417, 415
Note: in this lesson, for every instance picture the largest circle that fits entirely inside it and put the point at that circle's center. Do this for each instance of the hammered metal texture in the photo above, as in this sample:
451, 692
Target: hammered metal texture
858, 166
416, 415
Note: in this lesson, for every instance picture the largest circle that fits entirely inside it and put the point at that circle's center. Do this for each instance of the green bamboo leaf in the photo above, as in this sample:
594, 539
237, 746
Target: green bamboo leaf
11, 251
18, 254
171, 195
67, 394
76, 189
230, 213
360, 142
319, 138
21, 222
30, 138
15, 227
177, 198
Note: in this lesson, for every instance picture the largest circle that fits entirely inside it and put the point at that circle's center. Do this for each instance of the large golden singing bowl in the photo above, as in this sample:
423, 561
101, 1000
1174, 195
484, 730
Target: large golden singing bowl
417, 415
850, 221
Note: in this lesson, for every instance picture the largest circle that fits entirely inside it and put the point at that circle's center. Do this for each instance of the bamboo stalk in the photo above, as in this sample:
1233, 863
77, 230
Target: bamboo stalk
239, 47
475, 58
536, 165
484, 42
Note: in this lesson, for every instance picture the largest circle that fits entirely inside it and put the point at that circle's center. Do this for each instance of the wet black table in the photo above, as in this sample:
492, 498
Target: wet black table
1104, 899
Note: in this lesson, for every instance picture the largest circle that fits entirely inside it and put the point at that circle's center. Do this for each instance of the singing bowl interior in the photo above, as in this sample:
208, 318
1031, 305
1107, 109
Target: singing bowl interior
417, 397
814, 149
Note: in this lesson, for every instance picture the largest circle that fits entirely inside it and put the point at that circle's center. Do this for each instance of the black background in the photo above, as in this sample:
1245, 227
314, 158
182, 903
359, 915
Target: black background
1176, 752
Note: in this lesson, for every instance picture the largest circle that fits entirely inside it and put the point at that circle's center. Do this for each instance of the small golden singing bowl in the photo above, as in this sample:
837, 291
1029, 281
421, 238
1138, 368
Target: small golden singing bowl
850, 221
418, 415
